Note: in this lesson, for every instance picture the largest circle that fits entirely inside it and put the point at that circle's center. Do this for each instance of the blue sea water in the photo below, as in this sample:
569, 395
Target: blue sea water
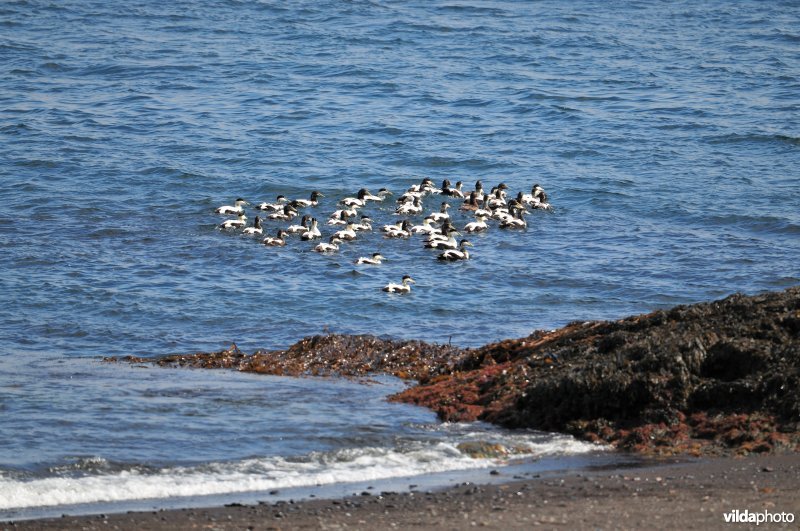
665, 133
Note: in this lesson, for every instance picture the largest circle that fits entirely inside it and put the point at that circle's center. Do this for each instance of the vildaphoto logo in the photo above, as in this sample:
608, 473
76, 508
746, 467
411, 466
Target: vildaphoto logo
764, 517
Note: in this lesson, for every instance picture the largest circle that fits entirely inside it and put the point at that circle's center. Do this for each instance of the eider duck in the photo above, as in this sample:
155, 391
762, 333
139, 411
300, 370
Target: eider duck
288, 212
479, 188
438, 243
331, 247
344, 213
338, 219
358, 201
346, 234
516, 221
499, 199
393, 226
405, 287
383, 193
484, 210
234, 223
274, 207
369, 196
537, 198
409, 197
311, 202
235, 209
312, 233
403, 232
376, 259
278, 241
366, 224
420, 188
453, 255
255, 229
443, 233
441, 215
425, 228
477, 226
430, 188
471, 203
454, 192
414, 207
303, 227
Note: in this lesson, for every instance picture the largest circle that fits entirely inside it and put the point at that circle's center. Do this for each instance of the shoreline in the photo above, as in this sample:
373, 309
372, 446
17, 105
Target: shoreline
706, 379
693, 494
715, 380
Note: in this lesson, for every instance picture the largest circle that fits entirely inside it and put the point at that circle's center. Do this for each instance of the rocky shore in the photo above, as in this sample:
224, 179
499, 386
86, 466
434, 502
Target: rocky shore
718, 378
693, 495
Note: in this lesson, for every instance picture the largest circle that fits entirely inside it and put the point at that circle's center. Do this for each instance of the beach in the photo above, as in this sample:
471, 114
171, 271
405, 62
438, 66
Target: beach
686, 495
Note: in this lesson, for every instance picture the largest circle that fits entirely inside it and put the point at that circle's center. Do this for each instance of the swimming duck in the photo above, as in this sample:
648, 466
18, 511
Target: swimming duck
471, 203
358, 201
498, 199
516, 221
303, 227
346, 234
311, 201
393, 226
239, 222
274, 207
420, 188
414, 207
345, 213
502, 214
366, 224
425, 228
441, 215
376, 259
312, 233
409, 196
403, 232
430, 188
383, 193
288, 212
479, 188
484, 210
454, 192
438, 243
255, 229
235, 209
405, 287
453, 255
331, 247
477, 226
537, 198
278, 241
339, 218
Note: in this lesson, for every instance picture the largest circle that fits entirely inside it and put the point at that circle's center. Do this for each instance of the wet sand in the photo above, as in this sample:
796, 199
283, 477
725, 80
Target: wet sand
689, 495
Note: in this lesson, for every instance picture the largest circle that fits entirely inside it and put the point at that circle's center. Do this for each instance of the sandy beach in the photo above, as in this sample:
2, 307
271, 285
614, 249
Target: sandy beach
688, 495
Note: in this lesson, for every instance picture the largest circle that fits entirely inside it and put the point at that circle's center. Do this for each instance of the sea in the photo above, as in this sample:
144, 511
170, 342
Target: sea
665, 134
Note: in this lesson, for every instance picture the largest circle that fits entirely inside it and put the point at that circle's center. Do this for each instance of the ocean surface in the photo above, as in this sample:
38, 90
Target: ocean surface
666, 134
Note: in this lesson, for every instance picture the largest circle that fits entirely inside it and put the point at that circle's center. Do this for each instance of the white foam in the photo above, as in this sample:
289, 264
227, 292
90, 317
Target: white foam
264, 474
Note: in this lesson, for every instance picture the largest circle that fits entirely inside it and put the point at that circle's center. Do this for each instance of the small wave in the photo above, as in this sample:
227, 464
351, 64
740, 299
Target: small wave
54, 67
101, 481
478, 10
738, 138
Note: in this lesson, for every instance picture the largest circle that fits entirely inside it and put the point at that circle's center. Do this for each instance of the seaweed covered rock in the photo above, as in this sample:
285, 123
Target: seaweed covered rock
326, 355
635, 382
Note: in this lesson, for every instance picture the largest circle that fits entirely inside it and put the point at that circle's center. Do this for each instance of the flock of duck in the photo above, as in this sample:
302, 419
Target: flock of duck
347, 221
